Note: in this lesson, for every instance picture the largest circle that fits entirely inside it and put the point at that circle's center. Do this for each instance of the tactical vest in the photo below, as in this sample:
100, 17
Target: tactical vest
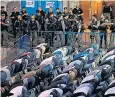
3, 27
106, 9
94, 23
33, 25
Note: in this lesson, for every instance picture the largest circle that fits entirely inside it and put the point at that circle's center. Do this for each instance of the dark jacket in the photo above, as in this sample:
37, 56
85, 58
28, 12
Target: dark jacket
14, 14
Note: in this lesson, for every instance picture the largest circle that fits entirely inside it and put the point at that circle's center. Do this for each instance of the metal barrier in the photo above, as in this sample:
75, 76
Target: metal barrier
55, 39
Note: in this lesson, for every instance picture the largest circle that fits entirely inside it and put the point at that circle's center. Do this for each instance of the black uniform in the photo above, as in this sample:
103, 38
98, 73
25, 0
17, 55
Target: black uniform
20, 28
103, 32
58, 14
33, 29
78, 12
24, 17
5, 13
93, 26
51, 26
15, 15
67, 29
42, 13
40, 19
4, 30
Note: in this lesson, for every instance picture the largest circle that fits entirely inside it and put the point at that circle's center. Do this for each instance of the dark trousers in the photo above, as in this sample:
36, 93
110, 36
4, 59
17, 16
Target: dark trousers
103, 34
4, 37
34, 36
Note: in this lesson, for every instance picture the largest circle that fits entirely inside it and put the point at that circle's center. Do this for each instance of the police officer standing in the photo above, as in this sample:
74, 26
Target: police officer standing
14, 17
67, 28
107, 10
39, 18
51, 27
33, 27
103, 31
112, 38
58, 13
50, 11
4, 28
93, 26
19, 27
78, 12
24, 14
3, 11
42, 15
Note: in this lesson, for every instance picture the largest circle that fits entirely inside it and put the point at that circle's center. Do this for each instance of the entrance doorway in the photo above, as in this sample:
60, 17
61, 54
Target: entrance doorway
89, 8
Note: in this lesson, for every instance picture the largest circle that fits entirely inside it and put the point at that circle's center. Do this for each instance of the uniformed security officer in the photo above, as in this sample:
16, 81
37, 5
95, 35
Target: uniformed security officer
107, 10
58, 13
51, 27
71, 16
14, 17
65, 13
78, 12
103, 31
112, 38
4, 28
33, 27
42, 13
79, 28
50, 11
19, 27
24, 14
3, 11
93, 26
39, 18
67, 28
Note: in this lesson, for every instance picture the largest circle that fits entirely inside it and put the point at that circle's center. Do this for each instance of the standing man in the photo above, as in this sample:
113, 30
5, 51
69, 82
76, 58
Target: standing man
93, 26
58, 13
33, 28
4, 28
3, 11
42, 14
24, 14
14, 17
39, 18
103, 31
107, 10
41, 11
19, 27
50, 11
78, 12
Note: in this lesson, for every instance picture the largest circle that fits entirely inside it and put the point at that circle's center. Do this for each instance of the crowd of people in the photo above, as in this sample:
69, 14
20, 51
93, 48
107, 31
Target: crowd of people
67, 21
63, 73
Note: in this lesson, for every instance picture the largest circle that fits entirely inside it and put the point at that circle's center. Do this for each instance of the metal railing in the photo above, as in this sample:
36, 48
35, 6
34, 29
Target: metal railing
55, 39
